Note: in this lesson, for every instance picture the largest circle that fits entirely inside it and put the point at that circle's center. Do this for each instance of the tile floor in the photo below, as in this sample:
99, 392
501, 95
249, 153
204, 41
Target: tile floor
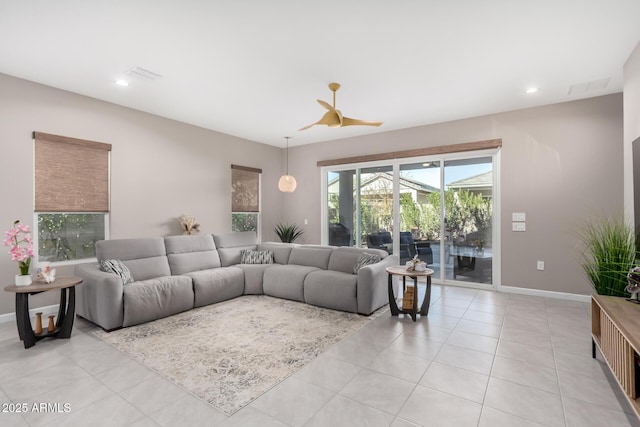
479, 359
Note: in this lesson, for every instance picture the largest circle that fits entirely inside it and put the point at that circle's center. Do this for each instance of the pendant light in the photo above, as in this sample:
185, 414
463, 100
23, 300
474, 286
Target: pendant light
287, 183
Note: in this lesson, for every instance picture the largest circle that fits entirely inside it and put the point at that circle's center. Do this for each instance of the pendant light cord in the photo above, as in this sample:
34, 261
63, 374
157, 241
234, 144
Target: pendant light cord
287, 138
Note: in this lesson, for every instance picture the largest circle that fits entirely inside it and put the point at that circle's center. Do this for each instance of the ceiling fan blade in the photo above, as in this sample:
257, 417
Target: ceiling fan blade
330, 118
346, 121
308, 126
339, 122
325, 105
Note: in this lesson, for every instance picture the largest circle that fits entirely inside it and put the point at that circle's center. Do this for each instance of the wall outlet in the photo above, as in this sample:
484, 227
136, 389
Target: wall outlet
306, 221
518, 226
541, 265
518, 216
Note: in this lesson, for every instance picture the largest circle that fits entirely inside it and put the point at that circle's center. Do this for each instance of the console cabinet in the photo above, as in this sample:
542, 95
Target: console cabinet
615, 330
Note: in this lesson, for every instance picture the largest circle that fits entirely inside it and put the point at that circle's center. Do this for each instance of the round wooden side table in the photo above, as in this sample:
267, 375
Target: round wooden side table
66, 311
402, 271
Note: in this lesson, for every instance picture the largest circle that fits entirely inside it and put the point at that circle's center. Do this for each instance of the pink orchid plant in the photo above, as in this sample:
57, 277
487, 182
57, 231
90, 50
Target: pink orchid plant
16, 235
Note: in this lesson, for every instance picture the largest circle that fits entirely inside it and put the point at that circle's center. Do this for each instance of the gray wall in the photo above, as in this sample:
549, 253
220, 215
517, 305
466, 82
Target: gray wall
561, 164
631, 92
160, 168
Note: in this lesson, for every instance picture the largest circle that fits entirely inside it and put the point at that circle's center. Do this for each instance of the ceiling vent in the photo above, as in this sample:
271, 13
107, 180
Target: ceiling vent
143, 73
591, 86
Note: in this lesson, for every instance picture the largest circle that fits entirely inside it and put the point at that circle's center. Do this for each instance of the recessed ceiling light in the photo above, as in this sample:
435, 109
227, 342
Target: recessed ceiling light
531, 90
123, 83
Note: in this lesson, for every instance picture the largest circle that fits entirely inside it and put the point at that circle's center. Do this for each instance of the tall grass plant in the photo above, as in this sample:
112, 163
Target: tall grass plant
609, 254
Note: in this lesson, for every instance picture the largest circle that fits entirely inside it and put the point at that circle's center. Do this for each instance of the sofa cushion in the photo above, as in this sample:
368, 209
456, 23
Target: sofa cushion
191, 253
215, 285
152, 299
230, 244
332, 289
345, 258
118, 268
365, 259
253, 277
286, 281
146, 258
316, 256
188, 244
232, 256
248, 256
236, 239
281, 251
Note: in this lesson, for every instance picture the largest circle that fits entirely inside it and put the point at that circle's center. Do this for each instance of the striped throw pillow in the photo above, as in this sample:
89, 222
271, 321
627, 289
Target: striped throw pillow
365, 259
247, 256
116, 266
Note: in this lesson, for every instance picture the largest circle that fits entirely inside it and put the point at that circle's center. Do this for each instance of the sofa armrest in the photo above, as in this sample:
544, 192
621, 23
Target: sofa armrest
99, 299
372, 288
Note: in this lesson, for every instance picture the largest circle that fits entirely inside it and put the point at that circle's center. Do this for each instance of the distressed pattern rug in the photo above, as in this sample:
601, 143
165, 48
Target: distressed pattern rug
232, 352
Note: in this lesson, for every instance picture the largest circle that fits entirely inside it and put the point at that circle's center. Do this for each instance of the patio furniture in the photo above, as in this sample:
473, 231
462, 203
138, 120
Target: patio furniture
410, 248
380, 240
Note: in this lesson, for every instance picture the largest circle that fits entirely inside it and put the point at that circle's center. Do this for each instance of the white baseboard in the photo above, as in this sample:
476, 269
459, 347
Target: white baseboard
545, 294
46, 311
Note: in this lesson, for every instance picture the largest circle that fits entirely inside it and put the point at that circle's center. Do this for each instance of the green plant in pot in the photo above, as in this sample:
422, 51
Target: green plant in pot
609, 255
288, 233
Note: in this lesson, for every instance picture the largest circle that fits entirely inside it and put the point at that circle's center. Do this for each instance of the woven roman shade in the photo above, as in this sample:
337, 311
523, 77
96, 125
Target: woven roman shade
245, 189
71, 175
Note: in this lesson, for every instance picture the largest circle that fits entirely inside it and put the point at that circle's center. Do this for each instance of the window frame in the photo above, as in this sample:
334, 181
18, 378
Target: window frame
36, 238
258, 213
50, 138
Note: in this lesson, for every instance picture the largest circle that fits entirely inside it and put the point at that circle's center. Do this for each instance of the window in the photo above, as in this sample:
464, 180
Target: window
245, 198
71, 197
439, 205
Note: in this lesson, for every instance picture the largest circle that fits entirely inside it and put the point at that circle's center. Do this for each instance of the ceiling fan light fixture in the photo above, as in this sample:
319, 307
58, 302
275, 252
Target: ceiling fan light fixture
287, 183
333, 118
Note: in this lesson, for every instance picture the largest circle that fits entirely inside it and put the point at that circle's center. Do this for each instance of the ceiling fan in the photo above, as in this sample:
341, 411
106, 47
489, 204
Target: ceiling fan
334, 118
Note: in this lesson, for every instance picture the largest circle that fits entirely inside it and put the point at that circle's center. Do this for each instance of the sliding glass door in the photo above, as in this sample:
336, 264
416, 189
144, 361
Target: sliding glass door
375, 194
420, 213
440, 209
341, 208
468, 210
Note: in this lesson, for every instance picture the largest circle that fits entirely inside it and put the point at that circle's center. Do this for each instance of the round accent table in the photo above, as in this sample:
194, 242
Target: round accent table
402, 271
66, 312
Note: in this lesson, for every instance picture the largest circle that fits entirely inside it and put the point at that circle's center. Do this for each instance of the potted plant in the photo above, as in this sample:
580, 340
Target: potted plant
288, 233
609, 255
17, 235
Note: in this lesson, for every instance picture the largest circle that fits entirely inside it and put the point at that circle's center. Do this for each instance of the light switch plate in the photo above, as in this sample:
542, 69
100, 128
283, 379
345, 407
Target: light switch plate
519, 216
519, 226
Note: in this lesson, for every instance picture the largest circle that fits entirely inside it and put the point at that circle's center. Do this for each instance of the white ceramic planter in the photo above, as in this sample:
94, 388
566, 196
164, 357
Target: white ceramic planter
23, 280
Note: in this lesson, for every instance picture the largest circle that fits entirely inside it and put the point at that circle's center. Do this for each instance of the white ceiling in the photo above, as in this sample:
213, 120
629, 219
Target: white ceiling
254, 68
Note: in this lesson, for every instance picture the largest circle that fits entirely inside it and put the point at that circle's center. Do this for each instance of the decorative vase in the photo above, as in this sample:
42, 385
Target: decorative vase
23, 279
52, 326
38, 330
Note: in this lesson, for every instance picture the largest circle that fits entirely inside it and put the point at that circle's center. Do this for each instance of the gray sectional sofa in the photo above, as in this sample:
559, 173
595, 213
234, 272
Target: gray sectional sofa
177, 273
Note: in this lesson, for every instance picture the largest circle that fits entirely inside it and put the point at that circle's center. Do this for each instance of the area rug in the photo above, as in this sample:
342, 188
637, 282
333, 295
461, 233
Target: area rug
230, 353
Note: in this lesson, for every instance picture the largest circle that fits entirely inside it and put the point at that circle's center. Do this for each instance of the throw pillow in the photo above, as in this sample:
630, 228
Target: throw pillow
247, 256
365, 259
116, 266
